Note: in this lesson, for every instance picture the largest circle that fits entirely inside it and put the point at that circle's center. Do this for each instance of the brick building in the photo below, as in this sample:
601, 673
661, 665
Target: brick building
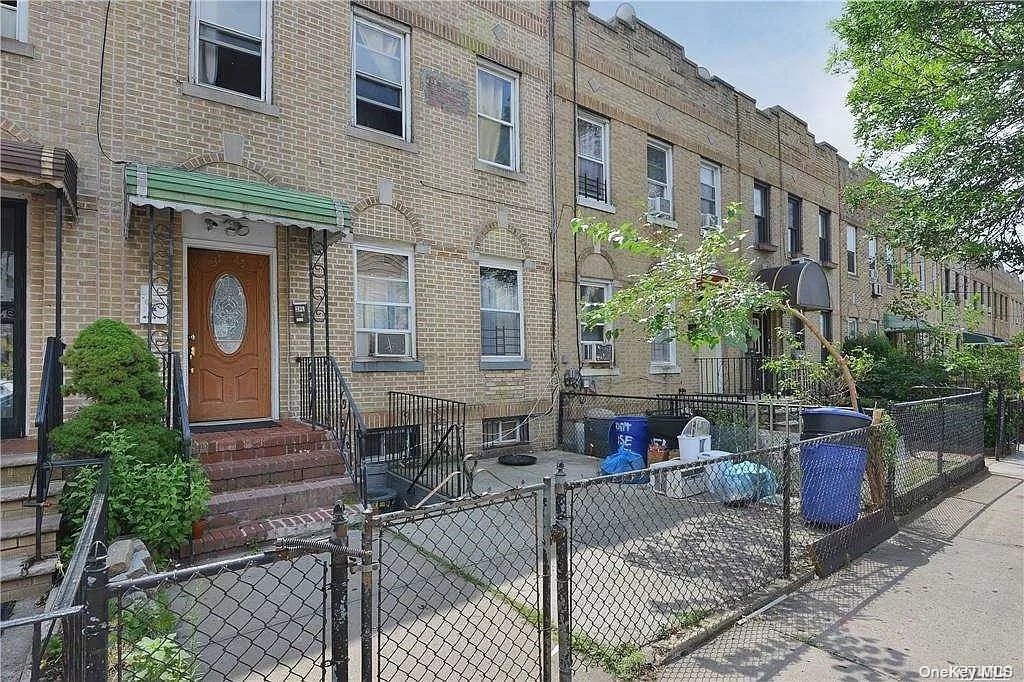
389, 184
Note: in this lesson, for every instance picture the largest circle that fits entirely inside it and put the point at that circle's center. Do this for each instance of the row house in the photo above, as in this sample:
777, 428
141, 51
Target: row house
376, 195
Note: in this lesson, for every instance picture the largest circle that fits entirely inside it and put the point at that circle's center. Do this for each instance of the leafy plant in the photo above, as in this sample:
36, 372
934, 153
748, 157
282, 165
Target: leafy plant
146, 618
155, 502
110, 366
807, 379
159, 659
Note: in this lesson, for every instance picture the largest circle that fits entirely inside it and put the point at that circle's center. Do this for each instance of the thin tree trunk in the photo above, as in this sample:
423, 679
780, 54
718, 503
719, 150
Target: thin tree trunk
844, 368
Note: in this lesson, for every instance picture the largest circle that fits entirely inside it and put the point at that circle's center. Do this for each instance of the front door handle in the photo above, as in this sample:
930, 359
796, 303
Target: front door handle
191, 352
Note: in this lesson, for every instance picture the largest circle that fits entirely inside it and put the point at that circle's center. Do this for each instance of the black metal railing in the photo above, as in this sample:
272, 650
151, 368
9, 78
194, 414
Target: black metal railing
433, 435
49, 415
739, 375
325, 401
176, 400
75, 604
592, 188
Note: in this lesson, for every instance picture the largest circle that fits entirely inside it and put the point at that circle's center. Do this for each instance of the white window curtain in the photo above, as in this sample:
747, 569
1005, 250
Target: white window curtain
378, 53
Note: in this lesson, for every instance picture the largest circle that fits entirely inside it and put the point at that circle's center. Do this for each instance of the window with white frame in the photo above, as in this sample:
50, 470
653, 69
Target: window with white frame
851, 249
824, 235
14, 19
385, 309
497, 116
873, 256
503, 431
595, 348
710, 195
851, 327
231, 46
890, 265
380, 76
873, 327
922, 275
663, 350
659, 179
592, 158
501, 312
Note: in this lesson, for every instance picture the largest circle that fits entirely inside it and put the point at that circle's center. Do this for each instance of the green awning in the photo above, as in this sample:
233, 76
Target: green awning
183, 190
900, 323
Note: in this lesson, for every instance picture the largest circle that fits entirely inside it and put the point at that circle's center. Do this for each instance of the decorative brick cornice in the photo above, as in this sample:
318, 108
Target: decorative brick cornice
411, 217
211, 158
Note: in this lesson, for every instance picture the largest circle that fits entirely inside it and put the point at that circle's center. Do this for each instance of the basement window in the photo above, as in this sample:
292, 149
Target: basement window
505, 431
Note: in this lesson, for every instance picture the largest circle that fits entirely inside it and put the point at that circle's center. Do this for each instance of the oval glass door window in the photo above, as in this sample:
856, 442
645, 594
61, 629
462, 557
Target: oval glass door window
228, 313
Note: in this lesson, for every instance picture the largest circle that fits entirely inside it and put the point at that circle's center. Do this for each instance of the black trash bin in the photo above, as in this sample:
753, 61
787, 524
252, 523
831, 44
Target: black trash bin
665, 429
821, 421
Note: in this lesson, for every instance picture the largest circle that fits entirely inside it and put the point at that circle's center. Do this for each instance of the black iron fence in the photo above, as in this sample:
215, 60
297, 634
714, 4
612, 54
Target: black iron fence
176, 399
423, 446
743, 375
600, 570
49, 415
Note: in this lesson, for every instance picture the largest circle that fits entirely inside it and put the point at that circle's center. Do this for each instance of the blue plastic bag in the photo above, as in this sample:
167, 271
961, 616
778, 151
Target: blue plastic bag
741, 482
623, 461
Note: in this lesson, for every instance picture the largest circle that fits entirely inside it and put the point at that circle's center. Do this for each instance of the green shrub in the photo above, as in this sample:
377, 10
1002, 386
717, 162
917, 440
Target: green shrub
110, 366
156, 502
159, 660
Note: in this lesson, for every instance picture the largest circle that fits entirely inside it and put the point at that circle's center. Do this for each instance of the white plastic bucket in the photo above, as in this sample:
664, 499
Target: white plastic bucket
691, 447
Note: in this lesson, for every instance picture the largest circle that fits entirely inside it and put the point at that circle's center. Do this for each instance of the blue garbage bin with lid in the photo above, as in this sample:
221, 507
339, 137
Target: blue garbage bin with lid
832, 472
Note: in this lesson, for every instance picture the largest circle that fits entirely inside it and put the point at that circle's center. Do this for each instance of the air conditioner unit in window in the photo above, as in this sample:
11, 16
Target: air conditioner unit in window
598, 352
659, 207
708, 221
876, 289
389, 345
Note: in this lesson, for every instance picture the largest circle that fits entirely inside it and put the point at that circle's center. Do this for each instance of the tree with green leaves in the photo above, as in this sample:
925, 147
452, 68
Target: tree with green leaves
937, 96
703, 295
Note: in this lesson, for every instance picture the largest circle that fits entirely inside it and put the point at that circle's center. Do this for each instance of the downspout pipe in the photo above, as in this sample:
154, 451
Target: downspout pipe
552, 185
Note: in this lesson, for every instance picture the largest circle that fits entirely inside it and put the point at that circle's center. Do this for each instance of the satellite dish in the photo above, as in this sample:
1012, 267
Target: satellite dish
704, 72
626, 14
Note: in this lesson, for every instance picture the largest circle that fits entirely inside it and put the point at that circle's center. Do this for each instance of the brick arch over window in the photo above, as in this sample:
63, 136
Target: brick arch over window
217, 158
12, 130
495, 239
595, 264
370, 209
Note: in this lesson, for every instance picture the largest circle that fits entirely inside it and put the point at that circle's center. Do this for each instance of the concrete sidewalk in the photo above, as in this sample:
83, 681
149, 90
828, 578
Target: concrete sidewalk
946, 590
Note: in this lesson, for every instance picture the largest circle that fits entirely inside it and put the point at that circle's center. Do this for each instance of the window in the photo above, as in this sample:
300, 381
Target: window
595, 347
230, 46
922, 275
592, 157
659, 179
710, 192
851, 327
663, 350
794, 227
824, 236
501, 312
762, 211
851, 249
873, 327
505, 431
14, 19
890, 266
873, 257
826, 330
380, 77
497, 117
385, 313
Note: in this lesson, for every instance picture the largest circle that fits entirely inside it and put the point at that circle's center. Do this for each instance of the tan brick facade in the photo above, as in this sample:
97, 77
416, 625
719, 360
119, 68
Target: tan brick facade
427, 194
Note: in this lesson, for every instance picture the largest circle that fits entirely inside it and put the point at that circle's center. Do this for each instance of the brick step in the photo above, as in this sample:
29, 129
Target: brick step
18, 536
12, 499
263, 471
19, 467
21, 580
289, 438
235, 507
234, 539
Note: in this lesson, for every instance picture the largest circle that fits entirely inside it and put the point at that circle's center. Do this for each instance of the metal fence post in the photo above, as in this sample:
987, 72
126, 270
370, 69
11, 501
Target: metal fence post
1000, 419
366, 598
561, 415
560, 538
95, 622
787, 539
942, 437
547, 499
339, 596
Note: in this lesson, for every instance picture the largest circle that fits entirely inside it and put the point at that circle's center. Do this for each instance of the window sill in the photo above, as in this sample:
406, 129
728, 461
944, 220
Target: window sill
829, 264
766, 247
855, 275
485, 167
498, 365
664, 222
15, 46
665, 369
797, 255
595, 204
387, 366
229, 98
600, 371
380, 138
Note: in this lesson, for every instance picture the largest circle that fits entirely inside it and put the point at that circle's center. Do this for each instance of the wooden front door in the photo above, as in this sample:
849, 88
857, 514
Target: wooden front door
228, 335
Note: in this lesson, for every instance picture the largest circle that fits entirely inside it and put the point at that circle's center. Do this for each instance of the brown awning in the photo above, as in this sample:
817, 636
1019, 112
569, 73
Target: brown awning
29, 164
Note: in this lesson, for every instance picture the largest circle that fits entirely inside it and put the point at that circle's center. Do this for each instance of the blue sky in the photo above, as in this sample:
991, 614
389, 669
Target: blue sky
775, 51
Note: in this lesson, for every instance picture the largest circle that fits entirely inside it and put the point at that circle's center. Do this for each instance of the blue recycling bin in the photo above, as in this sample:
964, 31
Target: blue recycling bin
630, 432
830, 489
